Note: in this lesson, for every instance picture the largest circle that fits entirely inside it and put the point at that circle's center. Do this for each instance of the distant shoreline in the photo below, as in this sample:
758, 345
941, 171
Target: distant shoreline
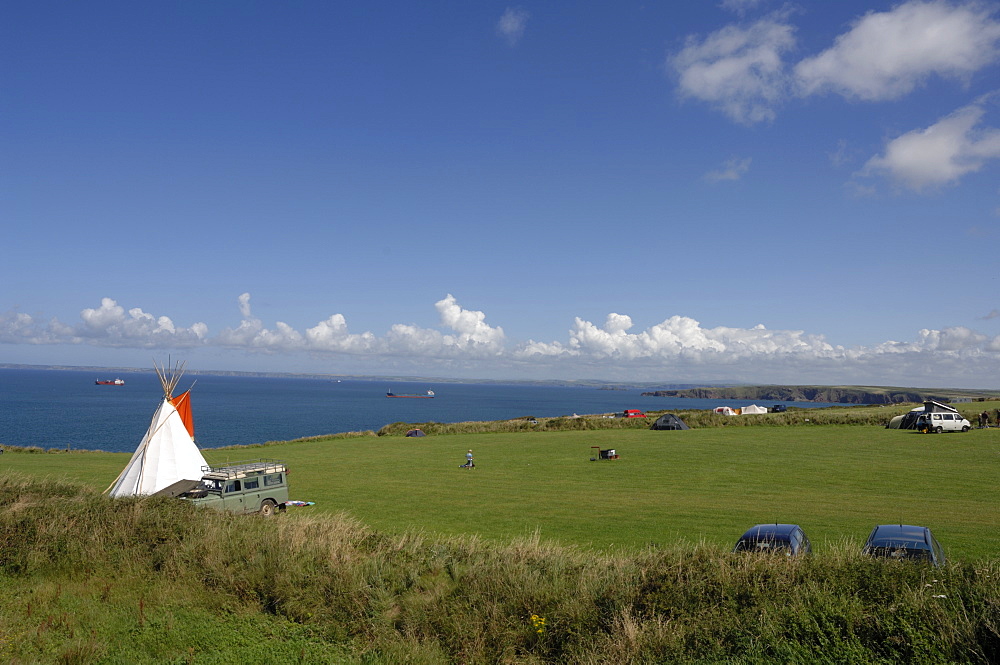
707, 389
585, 383
870, 395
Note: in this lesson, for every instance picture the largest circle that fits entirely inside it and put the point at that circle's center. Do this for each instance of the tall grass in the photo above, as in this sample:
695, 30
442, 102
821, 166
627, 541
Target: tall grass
89, 579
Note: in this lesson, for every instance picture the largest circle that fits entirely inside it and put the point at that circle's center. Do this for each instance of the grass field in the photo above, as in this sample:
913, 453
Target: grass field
702, 485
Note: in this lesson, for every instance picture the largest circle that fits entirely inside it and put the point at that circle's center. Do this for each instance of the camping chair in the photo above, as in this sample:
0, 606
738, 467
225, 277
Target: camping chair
604, 454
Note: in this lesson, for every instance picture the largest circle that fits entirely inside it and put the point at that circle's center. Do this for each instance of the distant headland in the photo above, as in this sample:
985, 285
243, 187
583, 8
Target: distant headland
834, 394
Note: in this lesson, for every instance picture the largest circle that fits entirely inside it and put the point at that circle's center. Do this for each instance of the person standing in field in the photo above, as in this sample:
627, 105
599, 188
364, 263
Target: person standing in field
469, 464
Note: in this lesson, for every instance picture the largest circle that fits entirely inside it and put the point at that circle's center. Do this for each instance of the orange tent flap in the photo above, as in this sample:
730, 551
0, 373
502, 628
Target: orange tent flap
183, 405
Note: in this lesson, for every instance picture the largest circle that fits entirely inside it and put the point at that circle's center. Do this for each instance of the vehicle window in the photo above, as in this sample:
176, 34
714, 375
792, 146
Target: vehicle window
936, 416
272, 479
233, 486
948, 416
251, 483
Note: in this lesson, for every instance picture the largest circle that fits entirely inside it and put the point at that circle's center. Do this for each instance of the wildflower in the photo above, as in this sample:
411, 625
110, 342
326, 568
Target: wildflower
538, 623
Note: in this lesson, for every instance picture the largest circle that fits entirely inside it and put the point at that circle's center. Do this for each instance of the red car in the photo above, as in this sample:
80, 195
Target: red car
632, 413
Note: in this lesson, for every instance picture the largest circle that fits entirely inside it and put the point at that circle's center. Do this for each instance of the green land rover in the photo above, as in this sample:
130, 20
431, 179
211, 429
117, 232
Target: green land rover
257, 486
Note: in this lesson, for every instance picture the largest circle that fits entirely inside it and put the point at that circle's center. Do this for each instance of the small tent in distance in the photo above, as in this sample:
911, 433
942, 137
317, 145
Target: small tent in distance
167, 453
669, 421
415, 432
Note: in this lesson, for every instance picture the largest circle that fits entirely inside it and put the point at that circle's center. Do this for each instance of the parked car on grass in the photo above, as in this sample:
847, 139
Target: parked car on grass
942, 422
258, 486
787, 539
904, 541
632, 413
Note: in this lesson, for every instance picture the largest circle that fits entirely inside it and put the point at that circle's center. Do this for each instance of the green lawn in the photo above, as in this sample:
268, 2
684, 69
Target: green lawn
706, 484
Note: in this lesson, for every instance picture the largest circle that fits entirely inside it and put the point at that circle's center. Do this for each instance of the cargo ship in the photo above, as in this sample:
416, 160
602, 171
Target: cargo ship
428, 395
108, 382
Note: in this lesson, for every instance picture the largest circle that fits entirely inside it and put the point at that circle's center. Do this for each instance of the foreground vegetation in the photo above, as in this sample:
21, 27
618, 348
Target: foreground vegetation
88, 579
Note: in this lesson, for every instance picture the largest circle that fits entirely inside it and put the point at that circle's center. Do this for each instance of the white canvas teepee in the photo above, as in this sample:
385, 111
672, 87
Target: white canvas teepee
167, 453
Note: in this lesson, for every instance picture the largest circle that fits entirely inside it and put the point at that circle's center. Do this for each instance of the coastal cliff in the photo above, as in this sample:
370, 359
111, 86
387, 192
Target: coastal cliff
835, 394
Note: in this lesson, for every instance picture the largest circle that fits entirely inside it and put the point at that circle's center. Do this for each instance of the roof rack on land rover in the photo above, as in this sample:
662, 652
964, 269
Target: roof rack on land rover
242, 469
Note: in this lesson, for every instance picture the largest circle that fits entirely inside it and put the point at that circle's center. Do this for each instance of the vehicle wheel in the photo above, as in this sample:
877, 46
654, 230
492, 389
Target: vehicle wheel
965, 429
267, 508
938, 429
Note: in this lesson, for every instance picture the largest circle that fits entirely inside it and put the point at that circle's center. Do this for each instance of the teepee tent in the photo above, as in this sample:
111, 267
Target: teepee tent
167, 453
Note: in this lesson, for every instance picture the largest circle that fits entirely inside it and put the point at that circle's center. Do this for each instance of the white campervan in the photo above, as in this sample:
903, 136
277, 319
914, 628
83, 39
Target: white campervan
943, 422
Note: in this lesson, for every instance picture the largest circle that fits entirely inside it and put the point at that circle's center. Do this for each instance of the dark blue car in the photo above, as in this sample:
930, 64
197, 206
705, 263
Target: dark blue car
787, 539
904, 541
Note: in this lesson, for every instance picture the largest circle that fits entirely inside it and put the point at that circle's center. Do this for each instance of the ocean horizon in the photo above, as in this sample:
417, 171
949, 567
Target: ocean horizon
65, 409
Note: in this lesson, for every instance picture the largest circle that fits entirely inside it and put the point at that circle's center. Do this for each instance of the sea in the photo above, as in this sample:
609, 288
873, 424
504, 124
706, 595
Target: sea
65, 409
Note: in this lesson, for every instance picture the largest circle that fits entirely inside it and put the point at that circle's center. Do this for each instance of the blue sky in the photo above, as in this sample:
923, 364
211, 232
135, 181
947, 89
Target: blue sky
742, 190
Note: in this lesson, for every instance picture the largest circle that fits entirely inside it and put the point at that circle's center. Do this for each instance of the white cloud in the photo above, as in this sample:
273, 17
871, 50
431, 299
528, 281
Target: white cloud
512, 24
470, 335
107, 315
244, 301
109, 325
473, 337
249, 331
332, 335
940, 154
473, 332
678, 348
737, 69
741, 69
951, 339
886, 54
20, 328
678, 336
733, 169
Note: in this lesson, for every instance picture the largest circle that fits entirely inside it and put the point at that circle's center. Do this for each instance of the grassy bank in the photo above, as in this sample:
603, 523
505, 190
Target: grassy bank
867, 416
154, 581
